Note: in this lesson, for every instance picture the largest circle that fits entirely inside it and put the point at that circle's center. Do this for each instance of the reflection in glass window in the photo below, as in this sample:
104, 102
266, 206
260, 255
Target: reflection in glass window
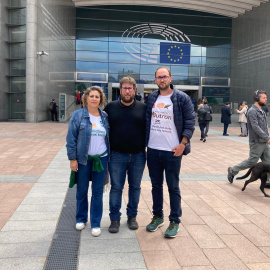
124, 68
91, 45
92, 35
92, 67
92, 56
17, 84
124, 58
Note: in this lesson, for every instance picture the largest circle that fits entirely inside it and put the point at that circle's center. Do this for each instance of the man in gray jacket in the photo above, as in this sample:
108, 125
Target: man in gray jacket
259, 139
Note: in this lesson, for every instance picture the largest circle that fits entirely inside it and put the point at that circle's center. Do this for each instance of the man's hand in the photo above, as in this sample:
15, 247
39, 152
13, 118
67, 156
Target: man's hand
74, 165
268, 142
178, 150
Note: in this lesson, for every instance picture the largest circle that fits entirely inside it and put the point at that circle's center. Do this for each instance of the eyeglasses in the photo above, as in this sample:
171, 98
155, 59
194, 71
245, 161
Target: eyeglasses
165, 78
125, 89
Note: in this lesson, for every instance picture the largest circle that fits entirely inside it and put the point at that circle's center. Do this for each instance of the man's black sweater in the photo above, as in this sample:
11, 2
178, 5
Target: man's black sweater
127, 126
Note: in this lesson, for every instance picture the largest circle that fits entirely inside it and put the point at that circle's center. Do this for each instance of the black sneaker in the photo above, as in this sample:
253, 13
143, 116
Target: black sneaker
114, 227
230, 175
132, 223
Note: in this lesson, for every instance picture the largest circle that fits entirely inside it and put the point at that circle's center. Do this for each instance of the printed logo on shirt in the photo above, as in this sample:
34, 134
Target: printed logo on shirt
161, 115
161, 105
101, 124
94, 125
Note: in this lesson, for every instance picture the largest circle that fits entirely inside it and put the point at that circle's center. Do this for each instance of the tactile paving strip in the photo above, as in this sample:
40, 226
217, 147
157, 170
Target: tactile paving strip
64, 249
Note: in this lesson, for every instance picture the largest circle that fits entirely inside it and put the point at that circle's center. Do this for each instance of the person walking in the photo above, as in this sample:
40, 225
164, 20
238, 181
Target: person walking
202, 121
170, 121
127, 142
208, 116
88, 150
259, 138
242, 118
226, 117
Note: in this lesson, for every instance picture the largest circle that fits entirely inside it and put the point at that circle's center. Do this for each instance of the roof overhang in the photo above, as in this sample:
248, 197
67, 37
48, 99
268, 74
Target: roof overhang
228, 8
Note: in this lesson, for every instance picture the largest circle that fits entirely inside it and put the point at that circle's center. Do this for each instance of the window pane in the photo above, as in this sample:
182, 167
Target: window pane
92, 56
87, 45
92, 67
17, 105
18, 68
17, 84
18, 34
18, 50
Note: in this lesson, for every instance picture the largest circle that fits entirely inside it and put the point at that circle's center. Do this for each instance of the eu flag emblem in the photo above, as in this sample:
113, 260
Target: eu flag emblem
175, 53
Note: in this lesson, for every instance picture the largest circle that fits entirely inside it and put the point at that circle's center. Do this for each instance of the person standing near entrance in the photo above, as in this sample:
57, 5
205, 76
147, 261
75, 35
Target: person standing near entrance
127, 144
170, 121
226, 117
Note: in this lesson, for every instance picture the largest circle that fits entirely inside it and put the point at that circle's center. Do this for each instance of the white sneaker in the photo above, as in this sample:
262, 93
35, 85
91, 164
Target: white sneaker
96, 231
80, 226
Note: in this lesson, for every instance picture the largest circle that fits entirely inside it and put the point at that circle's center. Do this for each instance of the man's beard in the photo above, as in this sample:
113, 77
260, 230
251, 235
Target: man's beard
261, 103
127, 99
165, 86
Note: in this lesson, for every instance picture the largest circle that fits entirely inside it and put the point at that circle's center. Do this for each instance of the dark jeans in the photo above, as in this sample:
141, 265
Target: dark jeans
121, 165
202, 126
157, 162
96, 206
225, 129
54, 115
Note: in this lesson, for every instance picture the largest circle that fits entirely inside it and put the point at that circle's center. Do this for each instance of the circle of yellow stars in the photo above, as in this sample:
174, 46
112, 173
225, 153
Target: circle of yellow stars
174, 60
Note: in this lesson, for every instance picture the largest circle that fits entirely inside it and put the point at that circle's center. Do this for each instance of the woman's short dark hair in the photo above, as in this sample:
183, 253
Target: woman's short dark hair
103, 99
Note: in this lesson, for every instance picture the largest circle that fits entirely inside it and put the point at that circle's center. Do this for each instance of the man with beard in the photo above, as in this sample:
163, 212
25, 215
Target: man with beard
170, 121
127, 144
259, 139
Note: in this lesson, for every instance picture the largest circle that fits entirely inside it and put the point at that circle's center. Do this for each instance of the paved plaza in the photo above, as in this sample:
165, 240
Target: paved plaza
222, 227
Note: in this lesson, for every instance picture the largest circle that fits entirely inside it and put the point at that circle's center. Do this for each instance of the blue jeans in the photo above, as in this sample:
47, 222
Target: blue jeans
157, 162
96, 206
202, 126
120, 165
225, 129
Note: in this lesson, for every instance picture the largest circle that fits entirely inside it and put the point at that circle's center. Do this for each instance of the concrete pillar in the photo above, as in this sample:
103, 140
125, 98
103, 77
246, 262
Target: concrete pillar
109, 92
31, 61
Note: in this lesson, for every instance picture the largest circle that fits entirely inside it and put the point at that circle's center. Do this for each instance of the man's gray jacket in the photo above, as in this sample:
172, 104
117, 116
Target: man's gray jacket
184, 115
257, 125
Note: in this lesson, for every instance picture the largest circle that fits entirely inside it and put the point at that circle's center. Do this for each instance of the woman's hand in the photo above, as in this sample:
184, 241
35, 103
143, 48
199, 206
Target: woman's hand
74, 165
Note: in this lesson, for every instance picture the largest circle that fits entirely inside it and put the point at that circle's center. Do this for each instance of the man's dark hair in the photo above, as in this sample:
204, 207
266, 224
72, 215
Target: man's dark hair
257, 94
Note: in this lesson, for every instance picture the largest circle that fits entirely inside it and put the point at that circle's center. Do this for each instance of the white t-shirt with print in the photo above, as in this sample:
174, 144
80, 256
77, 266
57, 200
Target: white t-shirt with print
163, 133
97, 142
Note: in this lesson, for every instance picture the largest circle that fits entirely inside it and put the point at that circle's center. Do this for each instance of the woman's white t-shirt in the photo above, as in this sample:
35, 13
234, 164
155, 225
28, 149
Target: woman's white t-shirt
97, 142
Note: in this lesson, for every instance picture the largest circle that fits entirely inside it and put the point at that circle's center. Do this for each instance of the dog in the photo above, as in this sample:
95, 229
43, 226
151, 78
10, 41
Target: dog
260, 170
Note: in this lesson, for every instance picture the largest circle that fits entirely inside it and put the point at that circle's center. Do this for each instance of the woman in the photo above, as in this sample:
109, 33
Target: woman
208, 116
243, 118
88, 150
202, 122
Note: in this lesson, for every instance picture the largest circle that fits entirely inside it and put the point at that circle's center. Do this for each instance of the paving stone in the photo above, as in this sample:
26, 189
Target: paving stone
11, 237
244, 249
108, 246
29, 263
18, 250
259, 266
219, 225
231, 215
204, 236
224, 259
109, 261
164, 260
256, 235
33, 225
187, 252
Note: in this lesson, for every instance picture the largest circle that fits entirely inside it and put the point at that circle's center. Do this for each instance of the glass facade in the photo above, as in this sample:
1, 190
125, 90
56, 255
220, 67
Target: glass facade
128, 40
17, 55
